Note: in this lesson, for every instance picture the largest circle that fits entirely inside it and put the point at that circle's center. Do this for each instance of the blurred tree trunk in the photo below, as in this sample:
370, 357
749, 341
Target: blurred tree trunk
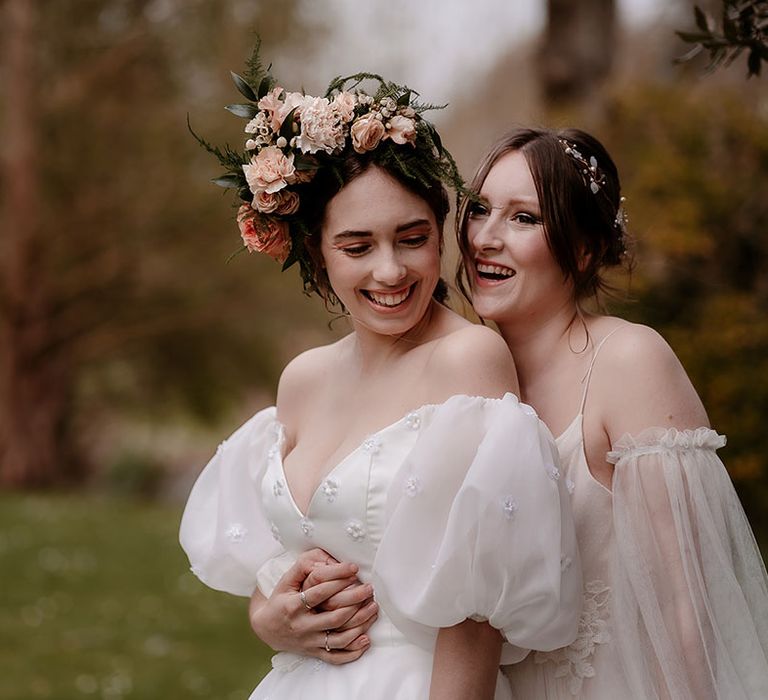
577, 51
32, 376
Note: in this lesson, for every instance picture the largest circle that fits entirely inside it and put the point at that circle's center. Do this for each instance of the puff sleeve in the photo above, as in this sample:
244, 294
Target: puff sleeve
480, 527
224, 530
691, 592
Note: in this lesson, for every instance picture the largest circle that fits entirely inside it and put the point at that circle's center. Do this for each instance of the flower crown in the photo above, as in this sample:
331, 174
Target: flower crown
291, 135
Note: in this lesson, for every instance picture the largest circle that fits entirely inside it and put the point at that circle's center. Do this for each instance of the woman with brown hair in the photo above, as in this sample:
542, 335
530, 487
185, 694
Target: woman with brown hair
675, 600
401, 447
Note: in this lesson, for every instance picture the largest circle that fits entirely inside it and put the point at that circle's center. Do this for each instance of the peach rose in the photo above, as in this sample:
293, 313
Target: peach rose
366, 133
401, 130
264, 234
269, 171
345, 103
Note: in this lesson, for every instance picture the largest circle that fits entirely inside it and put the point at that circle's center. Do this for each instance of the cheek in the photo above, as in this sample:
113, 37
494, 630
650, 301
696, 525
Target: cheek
533, 251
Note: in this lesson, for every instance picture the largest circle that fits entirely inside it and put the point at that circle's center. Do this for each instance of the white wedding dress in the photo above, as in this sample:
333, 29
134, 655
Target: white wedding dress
455, 511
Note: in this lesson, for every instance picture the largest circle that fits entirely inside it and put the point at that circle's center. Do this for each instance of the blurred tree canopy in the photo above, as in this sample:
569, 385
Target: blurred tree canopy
115, 295
694, 166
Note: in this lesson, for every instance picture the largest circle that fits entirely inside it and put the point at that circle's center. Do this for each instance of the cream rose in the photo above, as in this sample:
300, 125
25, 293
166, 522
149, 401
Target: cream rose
269, 171
401, 130
366, 133
263, 234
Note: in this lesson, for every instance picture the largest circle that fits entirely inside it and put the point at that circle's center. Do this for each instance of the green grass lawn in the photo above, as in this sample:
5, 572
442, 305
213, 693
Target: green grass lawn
97, 601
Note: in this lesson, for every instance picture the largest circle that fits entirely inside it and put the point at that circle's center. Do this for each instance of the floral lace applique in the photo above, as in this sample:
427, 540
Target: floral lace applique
574, 662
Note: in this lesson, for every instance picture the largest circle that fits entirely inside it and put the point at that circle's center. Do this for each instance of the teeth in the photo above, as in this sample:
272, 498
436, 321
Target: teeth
495, 270
389, 299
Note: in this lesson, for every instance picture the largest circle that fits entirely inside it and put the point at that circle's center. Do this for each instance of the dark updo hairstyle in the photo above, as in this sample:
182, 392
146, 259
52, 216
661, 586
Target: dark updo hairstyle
327, 183
584, 229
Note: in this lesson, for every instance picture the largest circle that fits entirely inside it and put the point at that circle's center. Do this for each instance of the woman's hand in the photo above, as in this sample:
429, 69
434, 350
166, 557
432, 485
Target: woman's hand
328, 622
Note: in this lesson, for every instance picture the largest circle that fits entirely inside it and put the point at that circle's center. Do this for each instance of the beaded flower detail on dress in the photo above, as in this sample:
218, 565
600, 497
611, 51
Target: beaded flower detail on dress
574, 662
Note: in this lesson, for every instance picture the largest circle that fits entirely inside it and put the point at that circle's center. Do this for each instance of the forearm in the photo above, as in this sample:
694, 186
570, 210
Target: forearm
466, 663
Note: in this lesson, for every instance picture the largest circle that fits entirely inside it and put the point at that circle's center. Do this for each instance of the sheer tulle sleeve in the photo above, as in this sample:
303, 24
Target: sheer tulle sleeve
691, 593
481, 528
224, 530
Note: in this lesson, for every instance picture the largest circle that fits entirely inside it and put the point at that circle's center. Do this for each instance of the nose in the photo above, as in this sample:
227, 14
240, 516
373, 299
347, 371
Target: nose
389, 269
484, 235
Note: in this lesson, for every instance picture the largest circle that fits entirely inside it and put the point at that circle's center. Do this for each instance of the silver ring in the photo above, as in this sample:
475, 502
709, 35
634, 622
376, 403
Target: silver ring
327, 648
304, 600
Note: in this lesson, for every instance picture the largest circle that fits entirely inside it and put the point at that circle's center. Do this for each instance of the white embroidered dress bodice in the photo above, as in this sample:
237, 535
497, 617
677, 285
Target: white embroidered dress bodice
457, 510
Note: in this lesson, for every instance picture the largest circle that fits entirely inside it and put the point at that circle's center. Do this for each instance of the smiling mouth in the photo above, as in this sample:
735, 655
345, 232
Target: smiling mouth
496, 273
389, 300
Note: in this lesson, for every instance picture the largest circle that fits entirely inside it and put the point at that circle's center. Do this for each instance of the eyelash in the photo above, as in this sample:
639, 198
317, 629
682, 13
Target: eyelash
412, 242
478, 210
531, 219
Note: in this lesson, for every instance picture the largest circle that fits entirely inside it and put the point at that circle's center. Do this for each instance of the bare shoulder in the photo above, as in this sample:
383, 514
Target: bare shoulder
301, 378
640, 383
473, 360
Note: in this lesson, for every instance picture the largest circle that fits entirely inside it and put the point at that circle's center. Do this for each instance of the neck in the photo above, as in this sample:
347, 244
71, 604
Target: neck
535, 341
373, 350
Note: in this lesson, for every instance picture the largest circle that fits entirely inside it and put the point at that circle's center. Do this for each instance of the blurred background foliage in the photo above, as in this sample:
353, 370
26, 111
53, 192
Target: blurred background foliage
129, 346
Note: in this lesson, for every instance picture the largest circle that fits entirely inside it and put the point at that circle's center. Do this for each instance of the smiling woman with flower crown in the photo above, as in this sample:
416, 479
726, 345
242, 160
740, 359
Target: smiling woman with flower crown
402, 448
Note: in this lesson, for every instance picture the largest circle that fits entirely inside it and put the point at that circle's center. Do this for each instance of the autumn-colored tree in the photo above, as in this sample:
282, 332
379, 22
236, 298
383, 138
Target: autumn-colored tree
114, 288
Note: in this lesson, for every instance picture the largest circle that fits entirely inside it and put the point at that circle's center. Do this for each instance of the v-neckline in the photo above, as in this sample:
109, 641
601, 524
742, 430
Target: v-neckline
281, 436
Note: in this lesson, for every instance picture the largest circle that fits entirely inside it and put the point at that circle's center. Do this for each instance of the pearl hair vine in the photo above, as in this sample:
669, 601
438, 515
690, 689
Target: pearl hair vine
594, 178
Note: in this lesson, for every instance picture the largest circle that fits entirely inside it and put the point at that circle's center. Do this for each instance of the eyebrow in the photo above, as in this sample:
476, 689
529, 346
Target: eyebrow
515, 200
350, 233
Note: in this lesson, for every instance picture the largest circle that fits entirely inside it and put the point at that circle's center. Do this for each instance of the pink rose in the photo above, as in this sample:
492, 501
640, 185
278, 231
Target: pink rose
264, 234
271, 104
265, 202
282, 202
345, 103
401, 130
288, 204
293, 100
366, 133
269, 171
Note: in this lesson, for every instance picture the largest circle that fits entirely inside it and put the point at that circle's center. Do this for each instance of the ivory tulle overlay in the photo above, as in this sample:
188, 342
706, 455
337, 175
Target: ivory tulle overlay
685, 613
457, 510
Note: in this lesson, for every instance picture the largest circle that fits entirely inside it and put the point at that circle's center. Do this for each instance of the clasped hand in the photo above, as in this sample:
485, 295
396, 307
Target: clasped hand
329, 621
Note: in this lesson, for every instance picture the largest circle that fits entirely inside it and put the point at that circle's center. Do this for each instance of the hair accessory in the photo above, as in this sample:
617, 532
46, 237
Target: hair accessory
595, 179
291, 135
590, 173
621, 220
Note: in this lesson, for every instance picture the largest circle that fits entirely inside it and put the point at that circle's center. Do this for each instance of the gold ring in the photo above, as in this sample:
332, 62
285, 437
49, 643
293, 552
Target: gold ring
327, 632
304, 600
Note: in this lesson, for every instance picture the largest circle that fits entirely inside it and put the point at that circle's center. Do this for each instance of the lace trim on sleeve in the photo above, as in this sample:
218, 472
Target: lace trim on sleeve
656, 440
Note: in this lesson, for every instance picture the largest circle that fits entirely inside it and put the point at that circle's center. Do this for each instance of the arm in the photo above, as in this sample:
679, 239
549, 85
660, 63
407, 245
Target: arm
284, 623
466, 662
475, 362
650, 514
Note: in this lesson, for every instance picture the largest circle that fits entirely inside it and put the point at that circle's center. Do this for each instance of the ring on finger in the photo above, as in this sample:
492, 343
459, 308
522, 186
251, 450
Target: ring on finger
327, 632
303, 597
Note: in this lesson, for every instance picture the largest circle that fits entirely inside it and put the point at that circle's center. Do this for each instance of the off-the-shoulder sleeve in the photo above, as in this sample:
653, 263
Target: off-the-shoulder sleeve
224, 529
481, 527
691, 593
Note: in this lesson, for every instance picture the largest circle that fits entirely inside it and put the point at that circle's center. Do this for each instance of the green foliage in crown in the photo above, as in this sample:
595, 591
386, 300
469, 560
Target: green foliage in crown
290, 136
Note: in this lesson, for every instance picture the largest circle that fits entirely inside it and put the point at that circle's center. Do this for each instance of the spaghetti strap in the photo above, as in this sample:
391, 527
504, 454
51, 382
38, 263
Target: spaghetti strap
588, 375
